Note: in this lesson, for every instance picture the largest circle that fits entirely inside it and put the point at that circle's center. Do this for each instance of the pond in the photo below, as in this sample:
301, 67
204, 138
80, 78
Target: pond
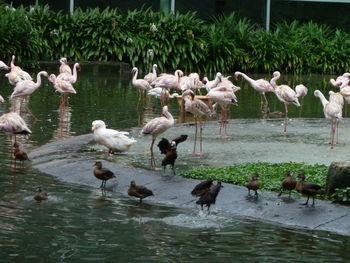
78, 223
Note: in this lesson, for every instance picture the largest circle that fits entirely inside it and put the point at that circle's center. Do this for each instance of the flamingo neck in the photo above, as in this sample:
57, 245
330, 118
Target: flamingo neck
323, 99
135, 76
75, 73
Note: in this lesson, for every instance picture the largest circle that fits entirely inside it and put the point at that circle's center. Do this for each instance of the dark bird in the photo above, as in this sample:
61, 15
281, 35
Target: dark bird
103, 174
40, 195
308, 189
19, 154
209, 197
288, 183
202, 188
169, 149
139, 191
253, 183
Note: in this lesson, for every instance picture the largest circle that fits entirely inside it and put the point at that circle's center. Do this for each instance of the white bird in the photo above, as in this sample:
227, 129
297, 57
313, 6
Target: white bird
17, 74
63, 87
209, 84
260, 85
157, 92
71, 78
223, 96
152, 75
115, 141
64, 67
140, 84
168, 82
285, 94
157, 126
332, 111
13, 123
198, 109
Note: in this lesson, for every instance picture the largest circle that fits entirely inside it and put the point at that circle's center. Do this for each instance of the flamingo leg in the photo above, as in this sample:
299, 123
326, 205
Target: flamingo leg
200, 137
266, 104
337, 126
332, 132
195, 136
286, 117
261, 104
153, 162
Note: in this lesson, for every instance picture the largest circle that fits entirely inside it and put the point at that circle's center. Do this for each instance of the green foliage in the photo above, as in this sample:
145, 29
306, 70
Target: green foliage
271, 174
171, 40
341, 196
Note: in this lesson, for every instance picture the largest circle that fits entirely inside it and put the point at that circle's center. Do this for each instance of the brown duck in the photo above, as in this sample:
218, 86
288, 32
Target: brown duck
209, 197
139, 191
288, 183
19, 154
103, 174
40, 195
253, 183
202, 188
308, 189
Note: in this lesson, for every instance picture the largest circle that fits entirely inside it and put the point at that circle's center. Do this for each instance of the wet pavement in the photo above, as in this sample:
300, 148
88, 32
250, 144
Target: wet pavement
72, 160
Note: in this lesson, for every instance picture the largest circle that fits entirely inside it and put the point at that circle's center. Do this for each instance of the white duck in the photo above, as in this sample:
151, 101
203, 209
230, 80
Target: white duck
115, 141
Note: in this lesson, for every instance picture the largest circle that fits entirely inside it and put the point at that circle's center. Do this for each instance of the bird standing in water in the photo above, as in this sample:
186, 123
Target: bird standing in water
40, 195
139, 191
103, 174
210, 196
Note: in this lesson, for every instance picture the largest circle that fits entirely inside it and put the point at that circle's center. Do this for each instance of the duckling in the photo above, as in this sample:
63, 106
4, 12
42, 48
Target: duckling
40, 195
307, 188
253, 183
209, 197
288, 183
202, 188
170, 150
19, 154
103, 174
139, 191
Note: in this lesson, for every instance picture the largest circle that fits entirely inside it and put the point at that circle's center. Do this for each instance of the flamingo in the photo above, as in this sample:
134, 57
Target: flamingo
27, 87
285, 94
331, 111
17, 74
209, 84
140, 84
115, 141
157, 126
3, 66
336, 97
198, 109
71, 78
64, 67
157, 92
63, 87
260, 85
13, 123
167, 82
152, 75
223, 96
301, 91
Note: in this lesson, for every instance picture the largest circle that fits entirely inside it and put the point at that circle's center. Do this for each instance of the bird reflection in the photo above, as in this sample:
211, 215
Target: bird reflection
64, 124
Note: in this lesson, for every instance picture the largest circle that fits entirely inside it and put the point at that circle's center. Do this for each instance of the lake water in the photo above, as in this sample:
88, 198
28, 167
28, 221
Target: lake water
79, 224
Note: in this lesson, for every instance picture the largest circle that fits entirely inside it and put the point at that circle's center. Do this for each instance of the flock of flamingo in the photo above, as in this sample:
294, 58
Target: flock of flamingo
220, 91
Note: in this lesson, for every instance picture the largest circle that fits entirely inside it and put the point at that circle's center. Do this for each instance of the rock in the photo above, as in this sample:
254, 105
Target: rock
338, 176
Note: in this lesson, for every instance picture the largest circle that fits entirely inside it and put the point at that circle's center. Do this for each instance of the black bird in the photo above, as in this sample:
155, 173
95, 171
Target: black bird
308, 189
210, 196
40, 195
169, 149
202, 188
139, 191
103, 174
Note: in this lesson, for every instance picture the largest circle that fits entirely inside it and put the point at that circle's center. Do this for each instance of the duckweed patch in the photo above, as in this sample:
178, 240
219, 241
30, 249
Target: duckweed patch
271, 174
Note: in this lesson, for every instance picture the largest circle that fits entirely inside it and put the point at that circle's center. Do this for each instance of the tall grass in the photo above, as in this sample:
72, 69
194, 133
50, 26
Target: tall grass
144, 37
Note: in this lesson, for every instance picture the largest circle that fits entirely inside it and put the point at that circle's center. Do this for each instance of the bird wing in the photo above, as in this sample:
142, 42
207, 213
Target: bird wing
143, 190
180, 139
201, 188
163, 145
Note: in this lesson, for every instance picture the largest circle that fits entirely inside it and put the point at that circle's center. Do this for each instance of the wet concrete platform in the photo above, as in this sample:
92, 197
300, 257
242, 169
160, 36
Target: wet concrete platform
71, 160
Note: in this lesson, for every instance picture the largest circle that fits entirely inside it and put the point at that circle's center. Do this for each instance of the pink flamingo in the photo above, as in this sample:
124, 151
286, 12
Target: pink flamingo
336, 97
26, 87
13, 123
260, 85
223, 96
167, 82
64, 67
140, 84
63, 87
210, 84
331, 111
71, 78
17, 74
157, 126
198, 109
3, 66
285, 94
150, 77
301, 91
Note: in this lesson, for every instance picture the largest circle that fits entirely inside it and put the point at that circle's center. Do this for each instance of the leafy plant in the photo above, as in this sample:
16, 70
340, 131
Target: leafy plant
341, 196
271, 173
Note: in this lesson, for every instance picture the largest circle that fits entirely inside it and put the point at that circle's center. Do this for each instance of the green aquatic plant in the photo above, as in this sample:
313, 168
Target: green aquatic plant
271, 173
341, 196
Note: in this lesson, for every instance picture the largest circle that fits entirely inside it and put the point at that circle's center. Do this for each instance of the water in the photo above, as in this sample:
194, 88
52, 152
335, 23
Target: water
79, 223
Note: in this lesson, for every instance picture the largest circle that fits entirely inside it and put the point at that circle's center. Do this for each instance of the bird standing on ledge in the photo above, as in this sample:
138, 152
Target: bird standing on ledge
103, 174
202, 188
139, 191
253, 183
209, 197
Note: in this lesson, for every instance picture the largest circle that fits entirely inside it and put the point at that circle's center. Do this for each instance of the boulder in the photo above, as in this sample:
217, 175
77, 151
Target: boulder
338, 176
